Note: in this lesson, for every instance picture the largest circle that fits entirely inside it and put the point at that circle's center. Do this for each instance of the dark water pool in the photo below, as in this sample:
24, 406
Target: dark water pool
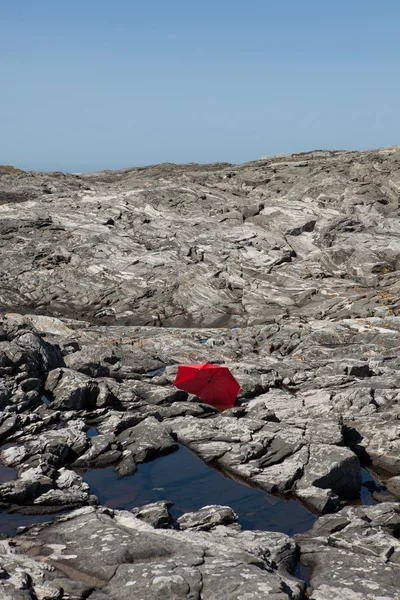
10, 521
190, 484
7, 473
91, 432
367, 487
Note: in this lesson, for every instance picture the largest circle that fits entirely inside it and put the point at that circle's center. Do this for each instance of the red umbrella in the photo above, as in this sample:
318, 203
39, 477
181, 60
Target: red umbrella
212, 383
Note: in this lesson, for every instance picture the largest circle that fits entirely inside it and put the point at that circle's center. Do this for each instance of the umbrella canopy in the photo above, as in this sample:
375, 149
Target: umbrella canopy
212, 383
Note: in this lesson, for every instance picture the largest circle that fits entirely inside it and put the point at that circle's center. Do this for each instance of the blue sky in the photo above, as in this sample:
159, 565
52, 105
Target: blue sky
94, 84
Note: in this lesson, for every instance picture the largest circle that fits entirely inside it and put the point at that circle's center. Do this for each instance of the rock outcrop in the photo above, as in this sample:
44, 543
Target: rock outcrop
285, 270
355, 554
103, 554
307, 235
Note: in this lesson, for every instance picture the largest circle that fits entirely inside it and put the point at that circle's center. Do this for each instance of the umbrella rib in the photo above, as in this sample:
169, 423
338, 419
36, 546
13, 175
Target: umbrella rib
216, 385
208, 383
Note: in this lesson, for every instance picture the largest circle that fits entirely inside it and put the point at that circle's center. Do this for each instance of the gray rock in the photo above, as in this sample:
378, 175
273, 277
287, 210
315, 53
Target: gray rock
108, 359
71, 390
38, 486
24, 578
104, 450
147, 440
5, 393
118, 555
268, 441
332, 469
31, 484
31, 383
8, 426
277, 457
207, 518
285, 269
354, 553
58, 446
393, 485
246, 253
156, 514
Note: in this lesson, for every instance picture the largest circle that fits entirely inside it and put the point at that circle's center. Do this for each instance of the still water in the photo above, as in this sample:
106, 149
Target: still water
190, 484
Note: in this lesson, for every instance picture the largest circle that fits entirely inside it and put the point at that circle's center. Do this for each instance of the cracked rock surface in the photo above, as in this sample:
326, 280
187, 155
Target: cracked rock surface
283, 438
312, 234
100, 553
355, 554
285, 270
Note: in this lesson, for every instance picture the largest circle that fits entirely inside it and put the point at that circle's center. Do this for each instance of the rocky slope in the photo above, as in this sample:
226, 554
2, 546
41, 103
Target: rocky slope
220, 245
285, 269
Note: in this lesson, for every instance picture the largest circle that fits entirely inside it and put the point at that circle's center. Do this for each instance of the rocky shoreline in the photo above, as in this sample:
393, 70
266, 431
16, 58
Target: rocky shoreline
284, 270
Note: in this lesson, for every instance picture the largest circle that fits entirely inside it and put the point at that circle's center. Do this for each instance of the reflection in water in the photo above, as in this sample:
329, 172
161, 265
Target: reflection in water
91, 432
302, 572
190, 484
10, 521
7, 473
368, 486
156, 372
